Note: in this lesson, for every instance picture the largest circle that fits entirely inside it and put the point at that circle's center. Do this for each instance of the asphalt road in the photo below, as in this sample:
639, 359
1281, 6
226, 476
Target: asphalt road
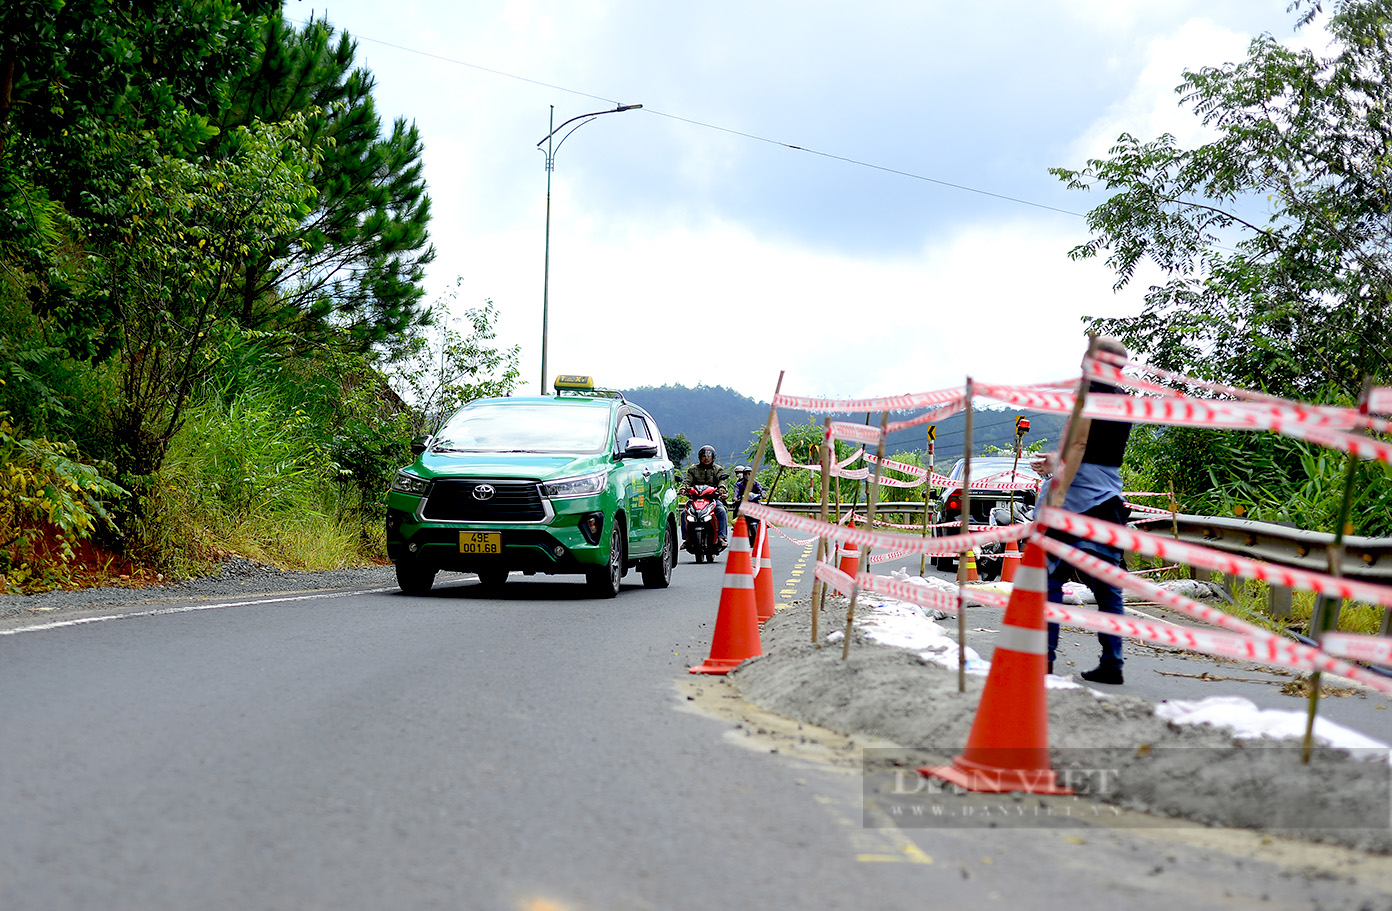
538, 750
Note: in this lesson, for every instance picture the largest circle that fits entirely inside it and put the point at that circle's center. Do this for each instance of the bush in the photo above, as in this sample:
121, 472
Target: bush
46, 496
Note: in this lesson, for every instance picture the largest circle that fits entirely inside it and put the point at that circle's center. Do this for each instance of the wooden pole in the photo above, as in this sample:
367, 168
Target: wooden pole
927, 495
819, 594
763, 441
872, 500
1325, 616
962, 557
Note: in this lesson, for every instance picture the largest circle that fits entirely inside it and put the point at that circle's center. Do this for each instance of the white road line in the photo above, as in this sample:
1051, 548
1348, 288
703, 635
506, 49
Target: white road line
59, 624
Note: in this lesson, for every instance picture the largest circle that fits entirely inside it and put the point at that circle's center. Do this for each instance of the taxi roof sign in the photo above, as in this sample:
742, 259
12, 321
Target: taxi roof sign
574, 382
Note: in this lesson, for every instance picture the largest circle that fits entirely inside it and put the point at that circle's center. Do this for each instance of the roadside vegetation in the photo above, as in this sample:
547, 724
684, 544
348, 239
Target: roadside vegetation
214, 336
213, 331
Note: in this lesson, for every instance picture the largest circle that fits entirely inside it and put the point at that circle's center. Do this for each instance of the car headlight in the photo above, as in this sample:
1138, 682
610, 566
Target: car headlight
405, 482
583, 486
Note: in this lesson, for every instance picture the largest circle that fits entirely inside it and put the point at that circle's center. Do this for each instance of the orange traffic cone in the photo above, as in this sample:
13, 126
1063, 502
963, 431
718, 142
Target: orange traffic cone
972, 574
850, 558
736, 634
763, 578
1008, 749
1009, 560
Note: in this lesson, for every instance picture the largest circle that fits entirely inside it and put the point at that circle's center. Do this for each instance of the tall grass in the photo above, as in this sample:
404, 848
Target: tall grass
256, 470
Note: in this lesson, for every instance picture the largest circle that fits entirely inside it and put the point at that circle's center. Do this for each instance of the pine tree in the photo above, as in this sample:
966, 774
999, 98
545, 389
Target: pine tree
351, 272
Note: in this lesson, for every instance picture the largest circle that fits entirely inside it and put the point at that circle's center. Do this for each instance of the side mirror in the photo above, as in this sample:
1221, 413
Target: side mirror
640, 448
421, 444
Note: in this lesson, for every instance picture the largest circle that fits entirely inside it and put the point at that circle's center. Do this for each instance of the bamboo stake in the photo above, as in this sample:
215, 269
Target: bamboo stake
927, 495
1326, 617
763, 442
962, 557
872, 501
819, 594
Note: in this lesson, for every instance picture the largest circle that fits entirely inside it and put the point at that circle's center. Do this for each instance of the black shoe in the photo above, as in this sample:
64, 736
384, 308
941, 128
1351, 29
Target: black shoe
1051, 668
1103, 673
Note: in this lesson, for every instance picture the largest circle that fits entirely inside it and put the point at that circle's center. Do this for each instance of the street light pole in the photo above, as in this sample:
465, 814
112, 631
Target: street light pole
550, 152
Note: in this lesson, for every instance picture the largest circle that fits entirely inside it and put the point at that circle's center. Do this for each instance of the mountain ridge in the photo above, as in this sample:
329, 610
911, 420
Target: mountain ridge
729, 421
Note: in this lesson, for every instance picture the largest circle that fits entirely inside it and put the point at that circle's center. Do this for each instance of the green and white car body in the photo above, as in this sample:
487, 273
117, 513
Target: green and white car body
579, 482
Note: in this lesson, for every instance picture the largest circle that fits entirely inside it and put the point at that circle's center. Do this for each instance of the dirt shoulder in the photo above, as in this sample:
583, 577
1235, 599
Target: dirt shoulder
892, 709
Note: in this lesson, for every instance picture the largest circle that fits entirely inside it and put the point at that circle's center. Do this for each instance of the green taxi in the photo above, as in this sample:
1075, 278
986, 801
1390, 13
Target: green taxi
578, 482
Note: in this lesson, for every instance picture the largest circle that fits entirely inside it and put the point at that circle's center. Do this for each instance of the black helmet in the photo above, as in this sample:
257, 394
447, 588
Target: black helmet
705, 451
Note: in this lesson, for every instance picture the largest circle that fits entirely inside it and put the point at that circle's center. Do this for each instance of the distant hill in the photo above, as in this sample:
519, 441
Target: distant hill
730, 422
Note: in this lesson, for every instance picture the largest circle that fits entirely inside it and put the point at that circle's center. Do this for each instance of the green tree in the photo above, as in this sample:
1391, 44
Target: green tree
78, 79
1274, 237
678, 447
190, 223
351, 270
440, 375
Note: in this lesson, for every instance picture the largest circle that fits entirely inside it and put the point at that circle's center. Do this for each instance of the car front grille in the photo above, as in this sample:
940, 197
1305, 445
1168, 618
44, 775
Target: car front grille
456, 501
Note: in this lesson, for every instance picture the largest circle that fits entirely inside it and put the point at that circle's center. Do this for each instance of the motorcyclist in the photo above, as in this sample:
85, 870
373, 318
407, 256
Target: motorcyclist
741, 478
707, 472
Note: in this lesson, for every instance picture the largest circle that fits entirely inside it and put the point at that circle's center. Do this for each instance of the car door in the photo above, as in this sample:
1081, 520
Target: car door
644, 511
630, 486
660, 478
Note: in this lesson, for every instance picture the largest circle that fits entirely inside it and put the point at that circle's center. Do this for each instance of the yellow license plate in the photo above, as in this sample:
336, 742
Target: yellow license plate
477, 542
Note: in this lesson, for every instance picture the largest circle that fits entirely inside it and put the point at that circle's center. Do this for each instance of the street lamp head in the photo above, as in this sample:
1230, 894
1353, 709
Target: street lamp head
628, 107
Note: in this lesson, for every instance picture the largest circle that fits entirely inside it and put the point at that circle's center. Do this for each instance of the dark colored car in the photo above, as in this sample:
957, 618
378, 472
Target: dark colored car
579, 482
989, 477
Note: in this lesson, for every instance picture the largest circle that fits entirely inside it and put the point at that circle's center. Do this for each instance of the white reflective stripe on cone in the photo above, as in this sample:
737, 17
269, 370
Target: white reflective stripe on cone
1023, 639
1032, 579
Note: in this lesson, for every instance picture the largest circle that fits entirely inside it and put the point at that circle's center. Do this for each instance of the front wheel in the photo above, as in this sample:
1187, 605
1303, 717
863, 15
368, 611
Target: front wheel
414, 577
657, 571
604, 580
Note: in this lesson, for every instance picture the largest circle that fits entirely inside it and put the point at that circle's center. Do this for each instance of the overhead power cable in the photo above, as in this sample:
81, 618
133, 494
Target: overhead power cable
711, 126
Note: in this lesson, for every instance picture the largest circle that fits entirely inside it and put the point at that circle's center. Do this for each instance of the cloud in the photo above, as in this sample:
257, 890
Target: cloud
1152, 106
720, 306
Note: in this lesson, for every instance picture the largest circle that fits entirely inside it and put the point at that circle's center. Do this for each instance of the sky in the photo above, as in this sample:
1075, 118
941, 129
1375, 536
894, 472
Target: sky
913, 238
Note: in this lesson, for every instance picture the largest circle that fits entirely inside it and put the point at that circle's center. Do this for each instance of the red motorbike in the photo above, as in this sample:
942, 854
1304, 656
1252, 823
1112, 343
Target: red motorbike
700, 524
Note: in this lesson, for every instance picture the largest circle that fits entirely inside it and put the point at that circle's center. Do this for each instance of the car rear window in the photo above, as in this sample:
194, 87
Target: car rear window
507, 427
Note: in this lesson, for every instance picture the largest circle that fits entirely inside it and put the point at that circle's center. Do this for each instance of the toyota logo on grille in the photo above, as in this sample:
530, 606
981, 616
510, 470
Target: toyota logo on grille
484, 492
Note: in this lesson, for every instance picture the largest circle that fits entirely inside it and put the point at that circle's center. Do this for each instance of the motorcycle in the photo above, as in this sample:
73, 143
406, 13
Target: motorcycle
750, 522
700, 524
989, 562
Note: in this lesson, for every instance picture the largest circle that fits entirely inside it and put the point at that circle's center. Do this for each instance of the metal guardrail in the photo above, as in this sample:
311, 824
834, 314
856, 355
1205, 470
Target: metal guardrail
1365, 559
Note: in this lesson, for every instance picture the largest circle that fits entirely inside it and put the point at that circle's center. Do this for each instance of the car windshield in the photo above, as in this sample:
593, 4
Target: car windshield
523, 427
984, 467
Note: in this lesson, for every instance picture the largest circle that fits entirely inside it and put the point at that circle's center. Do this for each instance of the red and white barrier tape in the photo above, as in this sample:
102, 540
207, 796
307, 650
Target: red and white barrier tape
884, 585
1106, 367
931, 417
802, 542
1169, 550
887, 403
1265, 646
857, 433
1379, 400
1136, 507
911, 544
785, 458
877, 559
1373, 649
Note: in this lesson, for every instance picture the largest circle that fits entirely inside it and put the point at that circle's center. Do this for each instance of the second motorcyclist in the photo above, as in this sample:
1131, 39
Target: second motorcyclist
756, 493
706, 471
